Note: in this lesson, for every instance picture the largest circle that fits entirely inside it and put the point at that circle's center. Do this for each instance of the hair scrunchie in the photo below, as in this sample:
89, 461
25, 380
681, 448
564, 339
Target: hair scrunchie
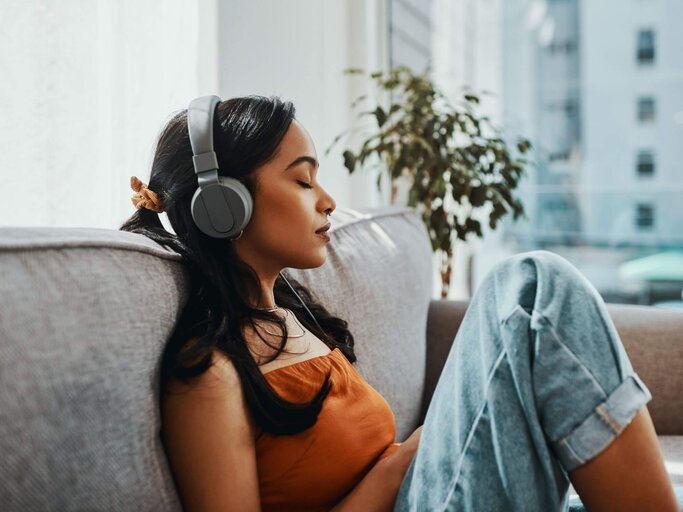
144, 197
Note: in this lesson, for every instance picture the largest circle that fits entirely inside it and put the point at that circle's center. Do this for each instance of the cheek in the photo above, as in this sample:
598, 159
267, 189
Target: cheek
269, 209
290, 210
282, 220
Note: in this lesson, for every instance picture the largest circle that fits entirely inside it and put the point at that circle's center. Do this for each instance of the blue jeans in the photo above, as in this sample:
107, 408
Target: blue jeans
537, 383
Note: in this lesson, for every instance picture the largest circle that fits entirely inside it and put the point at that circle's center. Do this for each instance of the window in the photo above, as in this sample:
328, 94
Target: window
94, 70
556, 204
604, 123
560, 156
646, 47
569, 107
644, 215
565, 47
646, 109
646, 163
410, 34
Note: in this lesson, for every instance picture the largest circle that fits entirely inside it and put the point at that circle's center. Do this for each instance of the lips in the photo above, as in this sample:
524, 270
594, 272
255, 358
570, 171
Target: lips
323, 229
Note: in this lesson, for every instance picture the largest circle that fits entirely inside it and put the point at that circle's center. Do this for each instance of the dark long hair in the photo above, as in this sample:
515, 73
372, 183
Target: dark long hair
247, 132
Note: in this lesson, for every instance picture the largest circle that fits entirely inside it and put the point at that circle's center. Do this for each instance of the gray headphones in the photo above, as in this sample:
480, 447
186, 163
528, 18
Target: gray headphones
221, 206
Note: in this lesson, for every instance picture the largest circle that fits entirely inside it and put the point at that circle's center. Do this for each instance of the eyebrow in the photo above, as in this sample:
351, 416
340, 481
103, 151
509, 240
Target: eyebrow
304, 158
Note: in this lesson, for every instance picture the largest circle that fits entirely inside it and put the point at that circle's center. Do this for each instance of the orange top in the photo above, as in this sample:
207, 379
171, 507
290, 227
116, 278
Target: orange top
314, 469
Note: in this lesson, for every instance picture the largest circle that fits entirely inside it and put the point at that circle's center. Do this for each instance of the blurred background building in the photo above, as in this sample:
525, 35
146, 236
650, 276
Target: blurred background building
598, 88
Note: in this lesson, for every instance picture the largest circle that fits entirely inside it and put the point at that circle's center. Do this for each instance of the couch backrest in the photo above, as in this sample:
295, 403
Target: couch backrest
84, 317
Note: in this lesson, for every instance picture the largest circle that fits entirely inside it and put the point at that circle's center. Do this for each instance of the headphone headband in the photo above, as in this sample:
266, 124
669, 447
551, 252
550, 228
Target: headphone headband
200, 127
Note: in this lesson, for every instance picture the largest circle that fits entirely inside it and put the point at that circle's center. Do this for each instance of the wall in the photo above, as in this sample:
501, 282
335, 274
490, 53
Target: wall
298, 50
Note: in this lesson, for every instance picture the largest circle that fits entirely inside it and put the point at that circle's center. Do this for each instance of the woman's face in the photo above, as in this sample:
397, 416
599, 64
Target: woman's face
286, 214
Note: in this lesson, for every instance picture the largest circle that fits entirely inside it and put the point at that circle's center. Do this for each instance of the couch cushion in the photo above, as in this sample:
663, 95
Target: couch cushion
652, 339
84, 316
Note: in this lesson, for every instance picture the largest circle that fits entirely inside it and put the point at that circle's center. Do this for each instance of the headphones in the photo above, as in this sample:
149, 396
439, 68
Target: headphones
221, 206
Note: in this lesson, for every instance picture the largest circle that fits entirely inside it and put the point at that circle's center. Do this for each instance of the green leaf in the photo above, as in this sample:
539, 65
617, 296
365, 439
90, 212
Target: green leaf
349, 160
358, 100
394, 108
477, 196
413, 196
523, 145
474, 225
380, 115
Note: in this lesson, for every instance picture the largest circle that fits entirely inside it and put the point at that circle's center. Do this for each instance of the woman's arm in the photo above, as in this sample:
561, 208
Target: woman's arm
209, 438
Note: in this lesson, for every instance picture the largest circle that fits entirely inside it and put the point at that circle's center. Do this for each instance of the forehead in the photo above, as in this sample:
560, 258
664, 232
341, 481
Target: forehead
296, 142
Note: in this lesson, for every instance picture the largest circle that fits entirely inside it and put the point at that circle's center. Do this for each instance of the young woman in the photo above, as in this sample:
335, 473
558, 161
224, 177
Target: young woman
263, 410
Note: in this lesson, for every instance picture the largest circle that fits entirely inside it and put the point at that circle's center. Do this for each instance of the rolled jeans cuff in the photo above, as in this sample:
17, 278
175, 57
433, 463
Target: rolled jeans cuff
603, 425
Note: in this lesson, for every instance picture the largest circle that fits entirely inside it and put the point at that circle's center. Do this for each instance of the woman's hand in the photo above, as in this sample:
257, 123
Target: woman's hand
378, 489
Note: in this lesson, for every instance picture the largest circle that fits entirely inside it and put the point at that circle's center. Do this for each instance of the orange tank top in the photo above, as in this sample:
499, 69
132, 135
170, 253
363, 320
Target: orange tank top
316, 468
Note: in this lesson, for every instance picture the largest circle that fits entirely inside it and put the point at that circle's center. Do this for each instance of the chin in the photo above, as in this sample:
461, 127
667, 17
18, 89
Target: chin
320, 260
317, 259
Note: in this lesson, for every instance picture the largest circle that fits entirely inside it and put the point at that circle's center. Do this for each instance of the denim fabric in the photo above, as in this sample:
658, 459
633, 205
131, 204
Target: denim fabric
536, 383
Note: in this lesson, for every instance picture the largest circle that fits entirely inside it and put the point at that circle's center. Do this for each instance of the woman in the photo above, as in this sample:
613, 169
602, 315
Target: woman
262, 409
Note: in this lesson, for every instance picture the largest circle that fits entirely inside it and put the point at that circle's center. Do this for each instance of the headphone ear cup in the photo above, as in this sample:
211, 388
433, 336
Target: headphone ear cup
245, 203
223, 209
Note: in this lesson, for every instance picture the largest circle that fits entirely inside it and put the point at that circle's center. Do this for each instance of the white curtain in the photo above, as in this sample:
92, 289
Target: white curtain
86, 86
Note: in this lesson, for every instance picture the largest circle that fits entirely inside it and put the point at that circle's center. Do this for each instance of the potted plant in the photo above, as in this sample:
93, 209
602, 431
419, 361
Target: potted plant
444, 152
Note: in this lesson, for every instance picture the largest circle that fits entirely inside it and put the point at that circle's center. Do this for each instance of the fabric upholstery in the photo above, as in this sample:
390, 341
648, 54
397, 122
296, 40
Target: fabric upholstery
84, 316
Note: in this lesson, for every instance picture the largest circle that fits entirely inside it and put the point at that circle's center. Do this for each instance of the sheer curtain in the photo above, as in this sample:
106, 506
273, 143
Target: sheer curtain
86, 87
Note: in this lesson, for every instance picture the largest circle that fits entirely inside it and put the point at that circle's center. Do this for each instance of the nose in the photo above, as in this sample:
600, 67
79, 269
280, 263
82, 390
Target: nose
328, 203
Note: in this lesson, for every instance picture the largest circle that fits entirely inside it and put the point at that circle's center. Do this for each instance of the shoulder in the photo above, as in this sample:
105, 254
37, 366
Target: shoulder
220, 383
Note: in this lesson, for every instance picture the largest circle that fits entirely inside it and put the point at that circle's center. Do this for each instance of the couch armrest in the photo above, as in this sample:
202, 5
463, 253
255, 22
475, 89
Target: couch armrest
652, 337
443, 321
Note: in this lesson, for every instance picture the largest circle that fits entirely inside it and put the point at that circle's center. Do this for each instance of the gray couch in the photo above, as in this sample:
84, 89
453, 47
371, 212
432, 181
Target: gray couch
86, 312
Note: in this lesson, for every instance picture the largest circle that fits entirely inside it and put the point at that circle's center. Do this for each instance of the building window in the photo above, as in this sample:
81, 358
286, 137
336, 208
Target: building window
570, 107
645, 215
556, 204
646, 109
565, 47
559, 156
646, 163
646, 46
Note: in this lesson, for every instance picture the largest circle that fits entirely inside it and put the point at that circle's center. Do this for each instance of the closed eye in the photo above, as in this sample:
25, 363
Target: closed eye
304, 184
